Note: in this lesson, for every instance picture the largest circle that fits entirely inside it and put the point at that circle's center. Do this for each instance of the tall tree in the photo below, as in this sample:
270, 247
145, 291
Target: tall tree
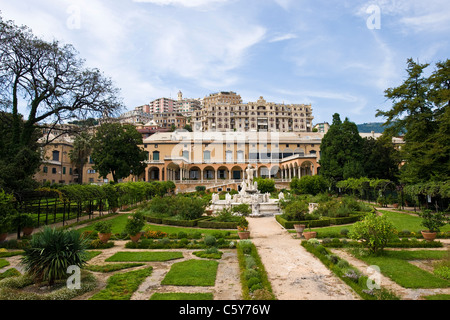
420, 110
116, 150
381, 159
52, 81
341, 151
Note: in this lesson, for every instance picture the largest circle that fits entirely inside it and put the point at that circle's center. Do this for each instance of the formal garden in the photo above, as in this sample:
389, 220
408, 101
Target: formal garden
158, 245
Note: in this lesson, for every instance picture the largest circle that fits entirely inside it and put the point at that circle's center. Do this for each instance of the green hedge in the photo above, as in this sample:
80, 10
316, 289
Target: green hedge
175, 222
209, 224
323, 222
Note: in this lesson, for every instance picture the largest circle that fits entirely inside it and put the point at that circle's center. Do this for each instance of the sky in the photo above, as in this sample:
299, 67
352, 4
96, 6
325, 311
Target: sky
339, 56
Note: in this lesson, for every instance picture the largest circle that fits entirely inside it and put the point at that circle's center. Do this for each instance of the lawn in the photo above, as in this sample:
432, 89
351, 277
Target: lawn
118, 224
144, 256
395, 265
120, 221
192, 273
403, 221
122, 286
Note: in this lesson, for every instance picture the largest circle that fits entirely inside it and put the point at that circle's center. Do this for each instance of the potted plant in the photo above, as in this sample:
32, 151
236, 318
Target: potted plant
242, 227
24, 222
310, 234
299, 228
432, 221
104, 229
134, 226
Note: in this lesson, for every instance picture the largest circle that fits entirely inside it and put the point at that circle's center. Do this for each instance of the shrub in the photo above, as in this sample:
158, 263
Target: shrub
296, 210
200, 188
374, 232
255, 287
344, 231
246, 246
309, 185
182, 235
333, 258
262, 294
343, 264
210, 241
433, 221
134, 224
103, 226
242, 209
250, 262
252, 281
52, 251
251, 273
22, 220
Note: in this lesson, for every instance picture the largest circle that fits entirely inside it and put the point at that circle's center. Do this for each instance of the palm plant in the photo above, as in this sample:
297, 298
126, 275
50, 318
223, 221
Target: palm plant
52, 251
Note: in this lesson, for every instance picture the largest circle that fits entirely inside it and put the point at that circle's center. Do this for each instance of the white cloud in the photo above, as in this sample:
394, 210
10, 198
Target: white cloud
203, 52
283, 37
413, 15
285, 4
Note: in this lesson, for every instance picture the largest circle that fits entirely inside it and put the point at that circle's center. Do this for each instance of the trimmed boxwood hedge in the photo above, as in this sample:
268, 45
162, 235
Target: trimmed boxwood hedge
174, 222
209, 224
323, 222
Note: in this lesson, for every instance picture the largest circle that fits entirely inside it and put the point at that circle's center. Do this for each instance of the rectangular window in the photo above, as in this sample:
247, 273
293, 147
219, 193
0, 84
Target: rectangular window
45, 169
64, 170
54, 170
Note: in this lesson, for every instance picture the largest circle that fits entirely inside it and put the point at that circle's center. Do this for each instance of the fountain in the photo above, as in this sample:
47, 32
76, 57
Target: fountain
260, 203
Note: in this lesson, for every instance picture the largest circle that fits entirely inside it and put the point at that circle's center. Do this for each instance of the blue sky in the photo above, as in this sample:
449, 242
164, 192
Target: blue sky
291, 51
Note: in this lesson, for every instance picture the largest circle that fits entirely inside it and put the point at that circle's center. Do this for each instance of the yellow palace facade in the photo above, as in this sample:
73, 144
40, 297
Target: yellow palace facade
219, 158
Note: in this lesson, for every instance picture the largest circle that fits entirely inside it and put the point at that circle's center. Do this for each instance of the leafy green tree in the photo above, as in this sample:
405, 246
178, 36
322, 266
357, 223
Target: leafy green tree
374, 231
341, 151
381, 159
116, 151
56, 86
18, 163
309, 185
420, 110
265, 185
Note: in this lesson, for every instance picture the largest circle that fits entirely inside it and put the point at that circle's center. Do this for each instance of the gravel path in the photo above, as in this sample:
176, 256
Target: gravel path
294, 273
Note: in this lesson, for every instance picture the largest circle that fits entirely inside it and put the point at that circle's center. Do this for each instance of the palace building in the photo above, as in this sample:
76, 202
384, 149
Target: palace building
220, 158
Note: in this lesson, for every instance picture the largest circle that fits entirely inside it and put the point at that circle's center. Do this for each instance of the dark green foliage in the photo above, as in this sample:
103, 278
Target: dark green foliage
309, 185
7, 211
52, 251
341, 151
265, 185
180, 206
116, 151
421, 109
135, 223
